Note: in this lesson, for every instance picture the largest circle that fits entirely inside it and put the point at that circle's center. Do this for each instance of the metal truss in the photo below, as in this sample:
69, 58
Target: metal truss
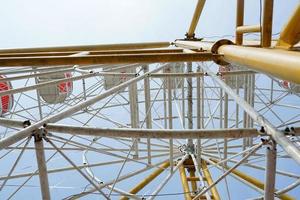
142, 117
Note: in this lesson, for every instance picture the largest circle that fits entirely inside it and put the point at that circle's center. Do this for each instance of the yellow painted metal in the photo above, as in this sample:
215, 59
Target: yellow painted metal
185, 184
193, 179
148, 179
290, 34
106, 59
257, 183
90, 47
210, 181
267, 23
100, 52
248, 29
196, 16
239, 21
279, 63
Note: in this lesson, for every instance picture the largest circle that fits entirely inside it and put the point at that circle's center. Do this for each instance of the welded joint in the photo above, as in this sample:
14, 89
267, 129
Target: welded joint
187, 149
39, 134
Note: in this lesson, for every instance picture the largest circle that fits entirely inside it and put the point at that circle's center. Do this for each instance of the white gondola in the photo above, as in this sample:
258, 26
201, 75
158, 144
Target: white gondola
53, 94
111, 81
233, 81
7, 101
292, 87
176, 83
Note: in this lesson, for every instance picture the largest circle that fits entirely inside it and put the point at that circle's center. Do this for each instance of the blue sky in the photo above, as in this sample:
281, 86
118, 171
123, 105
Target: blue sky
69, 22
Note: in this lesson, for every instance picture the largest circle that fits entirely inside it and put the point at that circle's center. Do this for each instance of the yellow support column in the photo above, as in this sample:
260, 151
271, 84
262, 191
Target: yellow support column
290, 35
185, 184
210, 181
193, 179
239, 21
257, 183
267, 23
148, 179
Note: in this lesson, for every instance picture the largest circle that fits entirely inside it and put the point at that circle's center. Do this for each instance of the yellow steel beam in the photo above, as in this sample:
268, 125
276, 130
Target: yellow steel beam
124, 46
239, 21
193, 179
196, 16
106, 59
100, 52
185, 184
267, 23
280, 63
210, 181
257, 183
248, 29
148, 179
290, 34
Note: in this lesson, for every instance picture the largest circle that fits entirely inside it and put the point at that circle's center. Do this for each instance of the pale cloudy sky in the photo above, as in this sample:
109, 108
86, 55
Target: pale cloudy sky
69, 22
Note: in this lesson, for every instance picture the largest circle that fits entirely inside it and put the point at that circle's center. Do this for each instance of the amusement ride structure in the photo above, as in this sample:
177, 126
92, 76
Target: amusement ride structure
189, 119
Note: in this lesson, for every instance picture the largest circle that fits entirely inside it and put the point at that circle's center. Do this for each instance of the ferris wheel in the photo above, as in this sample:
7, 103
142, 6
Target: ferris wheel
190, 119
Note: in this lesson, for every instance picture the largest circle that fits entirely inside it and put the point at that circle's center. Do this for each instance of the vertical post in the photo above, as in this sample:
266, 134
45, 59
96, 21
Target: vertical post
245, 117
183, 98
170, 116
41, 162
199, 112
38, 97
225, 124
148, 110
267, 23
134, 114
237, 110
190, 102
270, 171
165, 102
239, 21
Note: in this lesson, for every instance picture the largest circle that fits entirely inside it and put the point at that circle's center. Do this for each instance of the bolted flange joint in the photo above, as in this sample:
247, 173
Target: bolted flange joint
214, 49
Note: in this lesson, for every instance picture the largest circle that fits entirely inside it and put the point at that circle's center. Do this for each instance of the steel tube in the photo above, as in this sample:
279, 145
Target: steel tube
279, 63
266, 32
5, 142
278, 136
89, 47
196, 16
169, 176
105, 59
211, 185
145, 133
148, 179
253, 181
185, 184
270, 172
42, 167
239, 20
290, 34
206, 173
148, 109
103, 52
248, 29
